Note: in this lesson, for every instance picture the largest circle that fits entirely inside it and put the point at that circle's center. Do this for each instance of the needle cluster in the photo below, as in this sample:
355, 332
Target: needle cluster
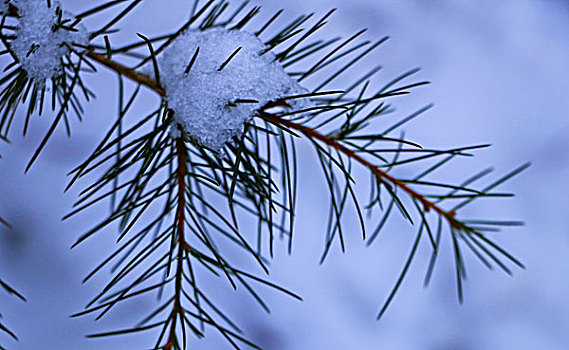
234, 99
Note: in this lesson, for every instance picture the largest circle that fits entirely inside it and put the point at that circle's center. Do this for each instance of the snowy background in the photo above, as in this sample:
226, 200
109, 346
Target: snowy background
500, 73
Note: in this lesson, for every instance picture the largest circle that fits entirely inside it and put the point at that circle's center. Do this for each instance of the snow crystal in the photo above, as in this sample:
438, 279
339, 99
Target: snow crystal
38, 47
210, 104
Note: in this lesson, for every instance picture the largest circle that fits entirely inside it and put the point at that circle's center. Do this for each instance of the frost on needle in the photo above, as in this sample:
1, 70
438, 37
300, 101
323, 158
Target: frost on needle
215, 81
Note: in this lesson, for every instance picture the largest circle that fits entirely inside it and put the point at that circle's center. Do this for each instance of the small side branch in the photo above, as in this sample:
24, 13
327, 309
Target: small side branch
379, 174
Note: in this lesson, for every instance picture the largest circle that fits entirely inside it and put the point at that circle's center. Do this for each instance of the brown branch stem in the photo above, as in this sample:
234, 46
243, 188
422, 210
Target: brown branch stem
130, 73
180, 240
380, 174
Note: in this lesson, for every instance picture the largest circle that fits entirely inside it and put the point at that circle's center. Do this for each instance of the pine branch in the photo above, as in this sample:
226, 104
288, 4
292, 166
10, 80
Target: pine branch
311, 133
344, 141
334, 141
156, 162
381, 175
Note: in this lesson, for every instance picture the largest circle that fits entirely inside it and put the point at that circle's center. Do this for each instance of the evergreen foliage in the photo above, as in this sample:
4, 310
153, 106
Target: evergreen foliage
173, 199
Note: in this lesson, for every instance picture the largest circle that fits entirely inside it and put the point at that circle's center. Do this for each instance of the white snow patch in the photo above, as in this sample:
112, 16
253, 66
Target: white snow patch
37, 46
203, 101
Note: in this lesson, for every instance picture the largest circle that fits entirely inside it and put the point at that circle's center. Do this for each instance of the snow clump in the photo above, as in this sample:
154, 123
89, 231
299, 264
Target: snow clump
212, 105
39, 44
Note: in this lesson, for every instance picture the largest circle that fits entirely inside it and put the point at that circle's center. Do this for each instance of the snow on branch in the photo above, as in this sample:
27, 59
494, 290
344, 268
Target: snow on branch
217, 79
45, 34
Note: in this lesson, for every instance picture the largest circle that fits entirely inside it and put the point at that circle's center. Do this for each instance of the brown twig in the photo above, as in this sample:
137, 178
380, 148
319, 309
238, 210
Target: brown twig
180, 241
130, 73
380, 174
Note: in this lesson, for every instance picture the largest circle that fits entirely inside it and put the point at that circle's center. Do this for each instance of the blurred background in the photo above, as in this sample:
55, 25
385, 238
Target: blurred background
500, 75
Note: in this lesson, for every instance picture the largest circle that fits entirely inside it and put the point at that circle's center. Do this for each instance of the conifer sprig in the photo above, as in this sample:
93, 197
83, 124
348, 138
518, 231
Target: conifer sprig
178, 205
